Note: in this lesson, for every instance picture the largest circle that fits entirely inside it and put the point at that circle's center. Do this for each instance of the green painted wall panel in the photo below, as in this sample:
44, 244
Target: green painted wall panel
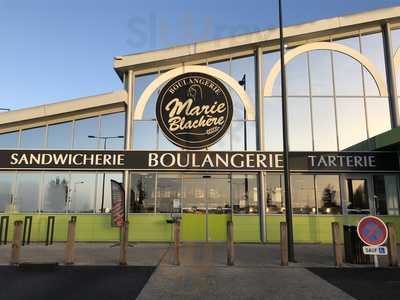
246, 228
153, 227
193, 227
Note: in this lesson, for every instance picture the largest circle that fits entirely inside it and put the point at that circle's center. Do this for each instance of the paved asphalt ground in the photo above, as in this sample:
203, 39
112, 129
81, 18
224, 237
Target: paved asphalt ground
203, 274
70, 283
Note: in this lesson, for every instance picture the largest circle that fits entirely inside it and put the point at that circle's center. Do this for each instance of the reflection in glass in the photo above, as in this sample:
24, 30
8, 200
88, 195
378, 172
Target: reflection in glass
348, 78
107, 190
141, 82
27, 198
224, 144
275, 199
84, 128
56, 192
297, 76
113, 125
323, 112
303, 194
372, 48
299, 116
386, 194
273, 137
244, 193
269, 59
358, 201
145, 135
142, 192
378, 116
321, 73
32, 138
239, 67
328, 194
59, 136
6, 193
9, 140
351, 121
169, 193
194, 195
217, 189
82, 192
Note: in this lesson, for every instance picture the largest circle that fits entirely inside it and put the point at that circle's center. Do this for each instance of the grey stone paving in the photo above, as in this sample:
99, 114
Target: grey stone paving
213, 282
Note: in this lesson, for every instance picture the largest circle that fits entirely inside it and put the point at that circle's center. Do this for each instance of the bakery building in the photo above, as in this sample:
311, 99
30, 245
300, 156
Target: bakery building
197, 132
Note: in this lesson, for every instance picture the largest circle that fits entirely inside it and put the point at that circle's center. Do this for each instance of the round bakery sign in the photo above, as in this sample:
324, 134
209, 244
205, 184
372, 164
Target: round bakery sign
194, 110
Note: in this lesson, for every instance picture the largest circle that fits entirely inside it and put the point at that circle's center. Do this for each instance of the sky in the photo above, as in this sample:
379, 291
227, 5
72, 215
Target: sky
55, 50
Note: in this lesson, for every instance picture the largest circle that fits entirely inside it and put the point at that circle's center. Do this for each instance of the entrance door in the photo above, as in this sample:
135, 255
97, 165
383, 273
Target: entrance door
358, 194
206, 207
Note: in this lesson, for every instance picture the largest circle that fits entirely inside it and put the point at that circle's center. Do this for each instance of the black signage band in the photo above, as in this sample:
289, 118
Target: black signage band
199, 161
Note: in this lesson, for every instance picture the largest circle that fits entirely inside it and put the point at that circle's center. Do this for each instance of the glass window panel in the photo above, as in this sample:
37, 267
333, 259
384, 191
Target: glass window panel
142, 192
239, 67
113, 125
59, 136
244, 194
27, 198
84, 128
378, 116
9, 140
141, 83
348, 79
371, 89
328, 194
107, 190
395, 40
275, 196
297, 76
299, 116
269, 59
224, 144
164, 143
32, 138
145, 135
353, 42
351, 121
273, 137
169, 193
391, 194
238, 135
56, 192
358, 201
251, 135
321, 73
372, 47
303, 194
82, 192
323, 110
6, 190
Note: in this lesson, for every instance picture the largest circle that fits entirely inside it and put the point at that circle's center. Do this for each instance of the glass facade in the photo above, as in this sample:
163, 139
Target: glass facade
333, 104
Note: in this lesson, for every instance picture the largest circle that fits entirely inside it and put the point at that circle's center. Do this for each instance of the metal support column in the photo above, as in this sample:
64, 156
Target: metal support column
260, 139
390, 76
129, 78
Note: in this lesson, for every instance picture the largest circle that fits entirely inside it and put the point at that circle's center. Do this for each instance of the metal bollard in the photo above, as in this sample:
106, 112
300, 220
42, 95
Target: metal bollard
177, 238
337, 249
16, 243
284, 244
4, 220
123, 259
70, 245
392, 245
230, 244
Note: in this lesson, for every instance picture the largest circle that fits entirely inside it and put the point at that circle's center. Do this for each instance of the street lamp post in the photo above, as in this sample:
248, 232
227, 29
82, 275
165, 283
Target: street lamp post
105, 139
286, 169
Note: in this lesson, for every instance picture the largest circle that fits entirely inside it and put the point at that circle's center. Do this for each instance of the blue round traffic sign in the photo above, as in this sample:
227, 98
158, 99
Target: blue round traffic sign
372, 231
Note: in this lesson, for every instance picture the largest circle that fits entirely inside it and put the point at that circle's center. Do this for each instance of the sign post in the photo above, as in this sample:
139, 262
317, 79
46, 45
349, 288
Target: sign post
373, 232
